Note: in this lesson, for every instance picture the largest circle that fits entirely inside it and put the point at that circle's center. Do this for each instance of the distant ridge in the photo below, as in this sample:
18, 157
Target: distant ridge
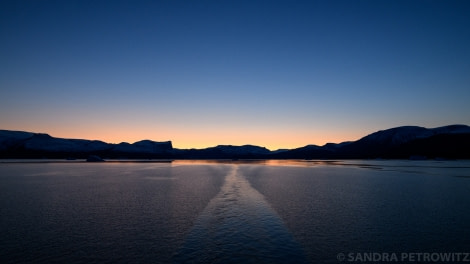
447, 142
19, 144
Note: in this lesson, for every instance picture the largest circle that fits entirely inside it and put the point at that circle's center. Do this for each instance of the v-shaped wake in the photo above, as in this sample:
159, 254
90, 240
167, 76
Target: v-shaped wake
239, 226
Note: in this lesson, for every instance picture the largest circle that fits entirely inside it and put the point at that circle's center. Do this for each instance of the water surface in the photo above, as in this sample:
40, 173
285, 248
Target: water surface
230, 212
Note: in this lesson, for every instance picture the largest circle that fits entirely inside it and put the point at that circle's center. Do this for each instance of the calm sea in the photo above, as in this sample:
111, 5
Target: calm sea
231, 212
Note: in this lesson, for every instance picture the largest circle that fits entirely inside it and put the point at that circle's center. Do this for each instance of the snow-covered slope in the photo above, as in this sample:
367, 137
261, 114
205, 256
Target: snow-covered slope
402, 142
44, 142
452, 129
9, 138
240, 150
21, 143
396, 136
400, 135
144, 146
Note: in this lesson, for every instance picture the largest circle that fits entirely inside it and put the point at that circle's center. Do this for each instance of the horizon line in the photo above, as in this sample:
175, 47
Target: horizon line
224, 144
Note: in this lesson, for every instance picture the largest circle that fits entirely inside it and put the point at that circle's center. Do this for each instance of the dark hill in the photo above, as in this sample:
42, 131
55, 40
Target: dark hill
450, 142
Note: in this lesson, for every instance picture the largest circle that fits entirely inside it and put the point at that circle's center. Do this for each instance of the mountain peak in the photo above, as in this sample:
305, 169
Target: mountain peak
400, 142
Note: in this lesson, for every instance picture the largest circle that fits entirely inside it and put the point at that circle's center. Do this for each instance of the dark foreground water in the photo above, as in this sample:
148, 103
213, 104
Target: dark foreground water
233, 212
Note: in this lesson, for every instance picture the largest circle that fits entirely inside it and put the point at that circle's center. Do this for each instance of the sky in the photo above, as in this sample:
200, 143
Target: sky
278, 74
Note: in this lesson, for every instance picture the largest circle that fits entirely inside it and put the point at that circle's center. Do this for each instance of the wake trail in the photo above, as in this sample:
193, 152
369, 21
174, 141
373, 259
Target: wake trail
239, 226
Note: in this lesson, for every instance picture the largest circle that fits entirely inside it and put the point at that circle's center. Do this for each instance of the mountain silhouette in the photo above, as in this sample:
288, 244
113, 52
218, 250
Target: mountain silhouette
448, 142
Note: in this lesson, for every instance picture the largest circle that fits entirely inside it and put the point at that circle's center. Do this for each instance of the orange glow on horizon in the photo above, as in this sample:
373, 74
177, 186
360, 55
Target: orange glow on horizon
204, 139
198, 137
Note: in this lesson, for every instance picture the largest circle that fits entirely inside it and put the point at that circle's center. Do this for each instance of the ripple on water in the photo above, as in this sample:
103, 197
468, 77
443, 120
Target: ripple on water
239, 226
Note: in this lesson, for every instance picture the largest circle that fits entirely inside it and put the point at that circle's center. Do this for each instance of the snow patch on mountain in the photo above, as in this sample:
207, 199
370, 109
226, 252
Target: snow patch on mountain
400, 135
245, 149
9, 138
144, 146
44, 142
452, 129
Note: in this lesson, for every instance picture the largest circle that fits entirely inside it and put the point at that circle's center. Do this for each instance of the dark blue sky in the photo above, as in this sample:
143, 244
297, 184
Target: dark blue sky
202, 73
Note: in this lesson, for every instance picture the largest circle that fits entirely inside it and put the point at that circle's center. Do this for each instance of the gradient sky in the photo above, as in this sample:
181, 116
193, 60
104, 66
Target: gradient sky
279, 74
